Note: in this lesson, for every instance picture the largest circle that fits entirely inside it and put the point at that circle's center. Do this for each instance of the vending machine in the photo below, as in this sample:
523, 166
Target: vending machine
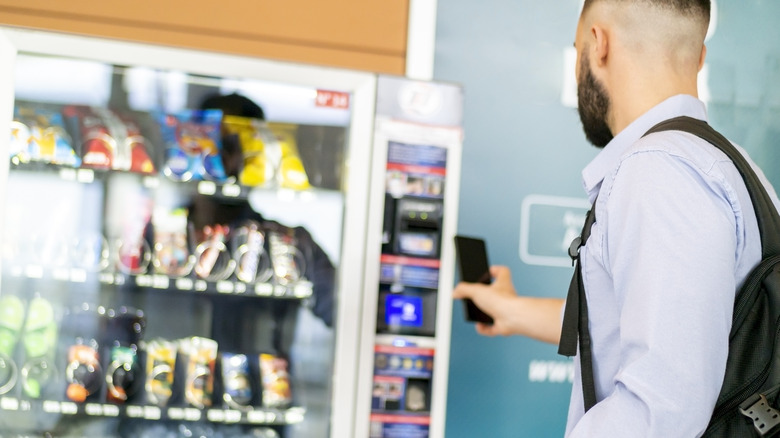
201, 244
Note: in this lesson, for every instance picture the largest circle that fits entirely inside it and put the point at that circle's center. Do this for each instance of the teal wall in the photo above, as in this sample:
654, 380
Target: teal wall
521, 141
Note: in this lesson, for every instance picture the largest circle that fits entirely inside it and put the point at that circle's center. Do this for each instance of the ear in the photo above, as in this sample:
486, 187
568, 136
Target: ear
601, 45
702, 56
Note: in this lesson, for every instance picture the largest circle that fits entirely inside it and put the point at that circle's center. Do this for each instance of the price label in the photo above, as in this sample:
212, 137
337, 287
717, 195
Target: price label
151, 182
51, 407
192, 414
232, 416
255, 417
85, 175
280, 290
152, 412
332, 99
176, 413
93, 409
161, 282
225, 287
9, 404
184, 283
200, 285
68, 174
143, 280
69, 408
240, 288
231, 190
293, 416
111, 410
216, 415
207, 188
264, 289
134, 411
302, 290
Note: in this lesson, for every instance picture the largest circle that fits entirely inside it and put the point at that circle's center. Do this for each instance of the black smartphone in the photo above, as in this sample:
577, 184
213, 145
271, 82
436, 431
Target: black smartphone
474, 268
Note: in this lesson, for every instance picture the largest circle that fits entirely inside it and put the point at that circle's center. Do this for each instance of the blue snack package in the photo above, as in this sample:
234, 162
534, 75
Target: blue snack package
193, 142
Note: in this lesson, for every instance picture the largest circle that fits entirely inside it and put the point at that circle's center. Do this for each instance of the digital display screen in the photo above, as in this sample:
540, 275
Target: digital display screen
403, 311
419, 244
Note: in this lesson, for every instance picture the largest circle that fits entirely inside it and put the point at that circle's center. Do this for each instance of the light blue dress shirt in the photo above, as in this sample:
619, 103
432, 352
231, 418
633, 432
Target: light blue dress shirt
675, 236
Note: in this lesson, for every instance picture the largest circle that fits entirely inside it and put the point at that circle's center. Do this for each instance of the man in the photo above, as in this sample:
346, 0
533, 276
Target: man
675, 232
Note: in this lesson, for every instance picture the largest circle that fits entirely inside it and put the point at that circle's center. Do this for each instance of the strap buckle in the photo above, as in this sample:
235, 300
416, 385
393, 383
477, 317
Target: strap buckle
765, 418
574, 249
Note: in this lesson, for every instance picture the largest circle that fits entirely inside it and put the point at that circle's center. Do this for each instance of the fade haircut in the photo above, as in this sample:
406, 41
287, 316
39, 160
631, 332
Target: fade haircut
699, 9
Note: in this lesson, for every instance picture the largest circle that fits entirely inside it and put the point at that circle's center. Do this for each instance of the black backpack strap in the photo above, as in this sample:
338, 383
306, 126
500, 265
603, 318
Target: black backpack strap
575, 317
766, 213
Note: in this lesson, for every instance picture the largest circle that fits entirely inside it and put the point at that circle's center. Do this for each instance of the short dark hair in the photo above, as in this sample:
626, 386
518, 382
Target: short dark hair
694, 8
233, 105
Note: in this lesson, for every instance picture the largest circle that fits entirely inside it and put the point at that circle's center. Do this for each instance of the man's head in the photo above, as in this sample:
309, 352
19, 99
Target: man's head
633, 54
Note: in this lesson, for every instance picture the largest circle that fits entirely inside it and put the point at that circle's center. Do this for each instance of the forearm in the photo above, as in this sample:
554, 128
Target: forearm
538, 318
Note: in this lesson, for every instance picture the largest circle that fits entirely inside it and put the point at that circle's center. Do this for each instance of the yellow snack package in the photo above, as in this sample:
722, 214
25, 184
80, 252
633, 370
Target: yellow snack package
257, 144
291, 173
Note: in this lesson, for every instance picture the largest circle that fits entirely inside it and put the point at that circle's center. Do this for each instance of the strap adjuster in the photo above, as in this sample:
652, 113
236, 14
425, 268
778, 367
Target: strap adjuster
574, 248
765, 418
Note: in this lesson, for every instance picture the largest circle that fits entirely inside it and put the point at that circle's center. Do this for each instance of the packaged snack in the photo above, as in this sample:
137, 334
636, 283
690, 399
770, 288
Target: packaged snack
160, 365
288, 262
83, 373
39, 135
259, 148
214, 262
192, 145
291, 173
12, 311
237, 392
40, 342
122, 374
109, 139
201, 354
172, 255
275, 380
252, 261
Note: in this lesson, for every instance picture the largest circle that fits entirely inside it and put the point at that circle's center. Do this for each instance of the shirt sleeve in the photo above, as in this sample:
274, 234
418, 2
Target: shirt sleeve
669, 247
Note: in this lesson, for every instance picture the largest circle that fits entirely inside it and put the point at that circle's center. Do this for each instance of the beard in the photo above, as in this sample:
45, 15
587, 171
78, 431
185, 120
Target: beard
593, 106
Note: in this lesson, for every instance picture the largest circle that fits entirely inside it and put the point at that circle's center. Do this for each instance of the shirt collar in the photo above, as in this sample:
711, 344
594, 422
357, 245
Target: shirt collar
606, 160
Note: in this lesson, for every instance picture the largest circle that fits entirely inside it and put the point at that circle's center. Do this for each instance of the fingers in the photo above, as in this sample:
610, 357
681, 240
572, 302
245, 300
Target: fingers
485, 329
501, 274
467, 290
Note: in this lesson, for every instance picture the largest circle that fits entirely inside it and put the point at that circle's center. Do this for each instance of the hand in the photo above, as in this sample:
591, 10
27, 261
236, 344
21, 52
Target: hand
513, 314
494, 299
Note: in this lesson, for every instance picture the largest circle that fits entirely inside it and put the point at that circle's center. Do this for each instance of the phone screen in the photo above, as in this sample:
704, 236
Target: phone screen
474, 268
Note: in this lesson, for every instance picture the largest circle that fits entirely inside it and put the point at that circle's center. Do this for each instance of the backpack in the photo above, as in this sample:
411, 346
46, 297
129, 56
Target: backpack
748, 400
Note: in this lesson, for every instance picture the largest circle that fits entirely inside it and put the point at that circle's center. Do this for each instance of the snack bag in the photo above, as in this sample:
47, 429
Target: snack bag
160, 364
237, 384
260, 150
172, 255
291, 173
275, 380
109, 140
39, 135
192, 145
201, 356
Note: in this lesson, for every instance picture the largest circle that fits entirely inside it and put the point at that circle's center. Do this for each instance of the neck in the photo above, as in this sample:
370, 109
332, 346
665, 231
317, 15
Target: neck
636, 91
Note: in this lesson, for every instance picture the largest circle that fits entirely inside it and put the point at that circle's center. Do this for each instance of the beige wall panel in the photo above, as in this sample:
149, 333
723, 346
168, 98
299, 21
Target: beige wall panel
364, 35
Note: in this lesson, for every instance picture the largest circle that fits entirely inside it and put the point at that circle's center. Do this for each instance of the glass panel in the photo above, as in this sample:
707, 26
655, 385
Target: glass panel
170, 253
